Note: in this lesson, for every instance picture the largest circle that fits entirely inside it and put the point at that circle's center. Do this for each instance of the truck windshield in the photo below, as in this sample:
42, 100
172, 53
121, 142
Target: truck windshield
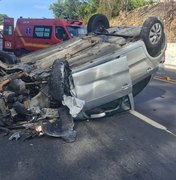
76, 31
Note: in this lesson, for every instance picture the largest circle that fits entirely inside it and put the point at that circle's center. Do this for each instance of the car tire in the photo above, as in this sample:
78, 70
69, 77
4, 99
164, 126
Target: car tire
138, 87
59, 80
6, 58
152, 33
97, 23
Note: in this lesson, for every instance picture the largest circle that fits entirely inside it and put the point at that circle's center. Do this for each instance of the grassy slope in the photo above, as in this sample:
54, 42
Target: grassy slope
165, 11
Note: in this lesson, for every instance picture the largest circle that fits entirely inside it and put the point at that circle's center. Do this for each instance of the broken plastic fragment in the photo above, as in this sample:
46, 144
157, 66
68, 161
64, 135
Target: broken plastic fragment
15, 136
74, 104
39, 101
50, 113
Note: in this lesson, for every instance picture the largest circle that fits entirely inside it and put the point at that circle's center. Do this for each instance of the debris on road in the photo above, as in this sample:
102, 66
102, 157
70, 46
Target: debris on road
15, 136
4, 131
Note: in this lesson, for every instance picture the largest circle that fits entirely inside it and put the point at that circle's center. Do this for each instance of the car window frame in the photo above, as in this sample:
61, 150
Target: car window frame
65, 32
43, 37
6, 32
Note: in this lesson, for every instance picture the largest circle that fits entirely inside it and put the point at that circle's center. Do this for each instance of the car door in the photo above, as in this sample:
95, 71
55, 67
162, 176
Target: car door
103, 83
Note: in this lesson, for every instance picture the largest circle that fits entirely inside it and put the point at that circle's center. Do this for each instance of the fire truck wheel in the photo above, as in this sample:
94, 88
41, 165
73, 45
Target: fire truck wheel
59, 80
6, 58
97, 23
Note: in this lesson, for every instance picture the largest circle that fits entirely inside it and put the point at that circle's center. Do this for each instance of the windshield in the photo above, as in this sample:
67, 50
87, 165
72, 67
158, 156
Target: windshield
76, 31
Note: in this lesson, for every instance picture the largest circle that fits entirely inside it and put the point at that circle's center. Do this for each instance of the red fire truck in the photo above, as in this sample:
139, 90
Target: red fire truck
34, 34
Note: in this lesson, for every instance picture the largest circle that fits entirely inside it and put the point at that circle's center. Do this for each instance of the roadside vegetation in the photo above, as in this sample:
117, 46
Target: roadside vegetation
83, 9
120, 12
2, 17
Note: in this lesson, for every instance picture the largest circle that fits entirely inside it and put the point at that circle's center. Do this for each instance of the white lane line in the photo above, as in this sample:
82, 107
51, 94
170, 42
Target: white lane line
150, 121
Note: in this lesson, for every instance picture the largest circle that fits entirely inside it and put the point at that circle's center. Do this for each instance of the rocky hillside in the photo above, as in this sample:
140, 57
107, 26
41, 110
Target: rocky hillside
166, 11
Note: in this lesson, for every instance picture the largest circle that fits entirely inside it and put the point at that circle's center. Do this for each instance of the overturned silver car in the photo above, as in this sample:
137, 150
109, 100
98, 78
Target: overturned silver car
87, 77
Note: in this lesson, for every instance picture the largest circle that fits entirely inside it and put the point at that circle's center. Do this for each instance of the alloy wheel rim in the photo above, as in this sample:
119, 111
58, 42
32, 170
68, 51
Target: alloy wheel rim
155, 33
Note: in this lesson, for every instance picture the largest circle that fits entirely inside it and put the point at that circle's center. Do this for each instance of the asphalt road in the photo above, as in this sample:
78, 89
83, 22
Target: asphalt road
122, 146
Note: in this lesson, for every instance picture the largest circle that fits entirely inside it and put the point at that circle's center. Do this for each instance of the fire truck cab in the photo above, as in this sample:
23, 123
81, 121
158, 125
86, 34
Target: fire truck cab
34, 34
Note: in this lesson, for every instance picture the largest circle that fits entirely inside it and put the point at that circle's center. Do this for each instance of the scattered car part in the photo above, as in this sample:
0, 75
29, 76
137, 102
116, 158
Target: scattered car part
40, 100
15, 136
63, 127
74, 104
17, 85
9, 78
20, 108
4, 131
6, 58
50, 113
9, 96
3, 107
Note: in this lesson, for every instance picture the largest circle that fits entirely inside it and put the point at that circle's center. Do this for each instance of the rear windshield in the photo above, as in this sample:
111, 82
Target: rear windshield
76, 31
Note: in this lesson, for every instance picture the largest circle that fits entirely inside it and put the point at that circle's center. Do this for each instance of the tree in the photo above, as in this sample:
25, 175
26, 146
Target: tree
67, 8
75, 9
2, 18
110, 8
83, 9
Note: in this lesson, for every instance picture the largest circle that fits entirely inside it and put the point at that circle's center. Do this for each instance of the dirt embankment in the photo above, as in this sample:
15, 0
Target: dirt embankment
166, 11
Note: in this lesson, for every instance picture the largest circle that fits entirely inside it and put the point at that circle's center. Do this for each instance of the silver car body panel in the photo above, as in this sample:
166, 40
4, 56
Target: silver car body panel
113, 75
103, 83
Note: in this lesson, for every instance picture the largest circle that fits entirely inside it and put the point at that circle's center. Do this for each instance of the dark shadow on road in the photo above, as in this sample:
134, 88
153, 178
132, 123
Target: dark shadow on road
117, 147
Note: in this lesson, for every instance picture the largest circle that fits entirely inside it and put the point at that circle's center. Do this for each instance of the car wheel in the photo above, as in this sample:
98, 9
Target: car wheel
138, 87
153, 35
6, 58
59, 80
97, 23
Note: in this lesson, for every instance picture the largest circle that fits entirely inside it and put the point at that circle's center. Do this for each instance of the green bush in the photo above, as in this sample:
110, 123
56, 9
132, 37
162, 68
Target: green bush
133, 4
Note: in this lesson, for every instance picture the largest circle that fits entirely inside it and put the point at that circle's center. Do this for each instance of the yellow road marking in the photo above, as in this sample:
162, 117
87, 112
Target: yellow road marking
165, 79
150, 121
